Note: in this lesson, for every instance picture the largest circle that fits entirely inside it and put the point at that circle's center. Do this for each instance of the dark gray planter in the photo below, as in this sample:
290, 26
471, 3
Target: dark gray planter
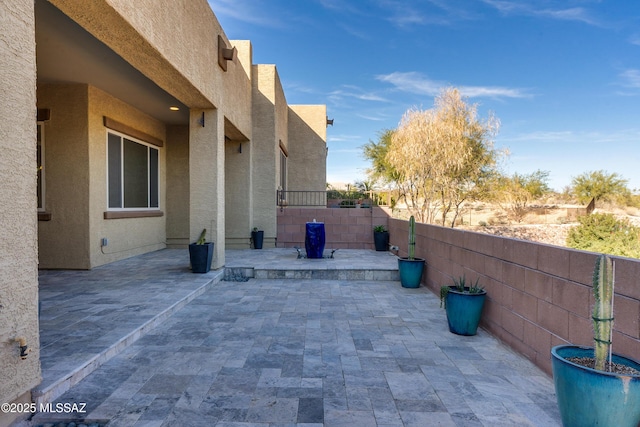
201, 257
381, 240
257, 237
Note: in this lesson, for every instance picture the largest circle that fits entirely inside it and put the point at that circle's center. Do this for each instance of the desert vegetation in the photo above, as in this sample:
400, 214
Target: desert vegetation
441, 166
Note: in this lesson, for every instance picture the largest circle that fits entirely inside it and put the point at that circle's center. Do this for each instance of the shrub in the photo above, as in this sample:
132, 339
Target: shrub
604, 233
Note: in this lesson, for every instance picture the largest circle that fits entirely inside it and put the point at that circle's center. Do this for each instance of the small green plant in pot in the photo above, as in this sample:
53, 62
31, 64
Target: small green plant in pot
381, 238
595, 387
463, 304
201, 254
410, 268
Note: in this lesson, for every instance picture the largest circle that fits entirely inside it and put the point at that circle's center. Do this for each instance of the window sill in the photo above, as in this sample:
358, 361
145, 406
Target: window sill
44, 216
131, 214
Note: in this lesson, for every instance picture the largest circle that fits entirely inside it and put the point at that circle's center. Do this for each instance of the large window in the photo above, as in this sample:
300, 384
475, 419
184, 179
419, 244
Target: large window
40, 157
132, 168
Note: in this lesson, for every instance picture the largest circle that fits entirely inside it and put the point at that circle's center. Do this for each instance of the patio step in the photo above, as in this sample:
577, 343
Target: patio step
245, 273
286, 263
50, 390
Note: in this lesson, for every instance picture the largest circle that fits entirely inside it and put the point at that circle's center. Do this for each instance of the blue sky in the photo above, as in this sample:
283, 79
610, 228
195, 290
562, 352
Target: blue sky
563, 77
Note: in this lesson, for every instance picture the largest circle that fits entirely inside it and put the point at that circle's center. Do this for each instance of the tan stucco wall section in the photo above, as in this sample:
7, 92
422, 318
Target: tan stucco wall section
18, 234
177, 211
206, 180
238, 200
176, 47
64, 240
128, 236
307, 147
76, 181
269, 128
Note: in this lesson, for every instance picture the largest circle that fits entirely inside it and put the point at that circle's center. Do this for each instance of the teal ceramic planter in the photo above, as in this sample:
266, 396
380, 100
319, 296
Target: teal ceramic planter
410, 272
587, 397
464, 311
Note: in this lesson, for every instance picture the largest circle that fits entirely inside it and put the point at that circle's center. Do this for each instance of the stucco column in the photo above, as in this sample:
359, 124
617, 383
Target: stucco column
238, 199
206, 179
18, 233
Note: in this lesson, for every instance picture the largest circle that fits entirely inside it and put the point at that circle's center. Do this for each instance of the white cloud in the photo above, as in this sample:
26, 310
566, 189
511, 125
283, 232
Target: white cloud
414, 82
579, 14
246, 11
631, 78
356, 93
622, 136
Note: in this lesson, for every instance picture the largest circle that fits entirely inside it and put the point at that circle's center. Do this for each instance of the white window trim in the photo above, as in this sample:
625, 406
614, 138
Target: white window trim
138, 141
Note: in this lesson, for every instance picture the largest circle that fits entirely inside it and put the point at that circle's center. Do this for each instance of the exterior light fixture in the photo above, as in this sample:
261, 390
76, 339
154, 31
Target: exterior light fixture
224, 53
174, 108
329, 121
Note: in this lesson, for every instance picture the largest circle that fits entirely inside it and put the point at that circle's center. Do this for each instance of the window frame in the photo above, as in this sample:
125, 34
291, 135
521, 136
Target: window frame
149, 147
283, 169
40, 164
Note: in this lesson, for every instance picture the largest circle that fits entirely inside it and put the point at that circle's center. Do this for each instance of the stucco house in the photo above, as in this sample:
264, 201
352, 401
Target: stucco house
151, 125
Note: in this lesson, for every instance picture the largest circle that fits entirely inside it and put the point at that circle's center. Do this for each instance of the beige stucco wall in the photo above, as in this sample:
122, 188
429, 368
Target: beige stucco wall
176, 47
127, 236
206, 180
177, 208
269, 128
76, 181
307, 147
238, 201
18, 233
64, 240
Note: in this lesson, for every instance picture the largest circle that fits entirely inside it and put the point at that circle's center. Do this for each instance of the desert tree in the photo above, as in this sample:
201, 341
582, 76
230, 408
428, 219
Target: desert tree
515, 193
599, 185
439, 156
376, 152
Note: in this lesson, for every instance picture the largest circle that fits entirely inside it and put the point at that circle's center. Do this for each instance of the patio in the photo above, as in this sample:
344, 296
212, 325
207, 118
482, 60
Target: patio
303, 342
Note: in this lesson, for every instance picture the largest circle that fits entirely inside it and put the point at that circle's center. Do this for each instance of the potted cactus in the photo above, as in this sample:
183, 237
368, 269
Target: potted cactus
381, 238
201, 254
463, 305
593, 386
410, 268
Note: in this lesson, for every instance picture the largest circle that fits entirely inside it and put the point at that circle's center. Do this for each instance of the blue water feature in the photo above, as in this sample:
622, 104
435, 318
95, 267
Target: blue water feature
314, 239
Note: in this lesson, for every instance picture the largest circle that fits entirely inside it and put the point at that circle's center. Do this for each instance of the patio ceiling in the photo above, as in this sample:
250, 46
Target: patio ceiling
66, 53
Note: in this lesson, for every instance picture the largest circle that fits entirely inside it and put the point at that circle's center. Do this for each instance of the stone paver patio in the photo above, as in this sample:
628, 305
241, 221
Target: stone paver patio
313, 352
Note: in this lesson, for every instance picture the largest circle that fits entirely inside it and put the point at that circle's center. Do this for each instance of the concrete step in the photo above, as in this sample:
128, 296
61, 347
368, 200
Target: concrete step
245, 273
54, 386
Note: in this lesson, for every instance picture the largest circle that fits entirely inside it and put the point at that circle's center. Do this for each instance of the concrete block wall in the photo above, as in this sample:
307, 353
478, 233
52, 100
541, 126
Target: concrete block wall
344, 228
539, 295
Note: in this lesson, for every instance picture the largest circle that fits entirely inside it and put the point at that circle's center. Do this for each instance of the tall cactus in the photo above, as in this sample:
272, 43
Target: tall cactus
603, 309
412, 237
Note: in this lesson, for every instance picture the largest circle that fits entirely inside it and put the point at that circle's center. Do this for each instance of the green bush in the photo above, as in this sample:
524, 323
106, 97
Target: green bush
603, 233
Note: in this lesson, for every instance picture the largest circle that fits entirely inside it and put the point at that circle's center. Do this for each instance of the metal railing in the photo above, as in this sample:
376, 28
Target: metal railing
332, 198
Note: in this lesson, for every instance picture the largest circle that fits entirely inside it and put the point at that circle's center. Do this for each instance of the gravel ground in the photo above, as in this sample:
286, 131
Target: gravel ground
552, 234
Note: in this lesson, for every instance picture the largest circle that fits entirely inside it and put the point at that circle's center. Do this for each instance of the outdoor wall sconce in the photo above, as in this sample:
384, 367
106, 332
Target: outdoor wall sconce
24, 349
224, 53
329, 121
201, 120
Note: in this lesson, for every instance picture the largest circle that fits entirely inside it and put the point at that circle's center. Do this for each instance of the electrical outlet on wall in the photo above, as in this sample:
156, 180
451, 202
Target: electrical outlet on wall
104, 242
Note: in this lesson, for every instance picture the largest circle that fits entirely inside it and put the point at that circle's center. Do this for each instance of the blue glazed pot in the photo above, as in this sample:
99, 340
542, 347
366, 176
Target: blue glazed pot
464, 311
410, 272
587, 397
